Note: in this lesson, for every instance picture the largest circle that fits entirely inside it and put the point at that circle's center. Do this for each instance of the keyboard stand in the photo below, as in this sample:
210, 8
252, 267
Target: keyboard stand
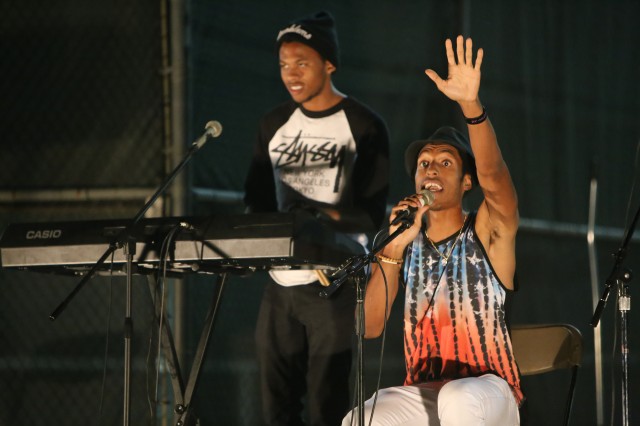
183, 396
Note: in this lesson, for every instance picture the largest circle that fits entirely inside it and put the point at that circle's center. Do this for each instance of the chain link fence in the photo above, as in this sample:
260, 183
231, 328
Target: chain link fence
82, 139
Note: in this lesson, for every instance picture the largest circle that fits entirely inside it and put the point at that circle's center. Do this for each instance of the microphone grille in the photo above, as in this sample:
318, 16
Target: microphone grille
214, 128
427, 197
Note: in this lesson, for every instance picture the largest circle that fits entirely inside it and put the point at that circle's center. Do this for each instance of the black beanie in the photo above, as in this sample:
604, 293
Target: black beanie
316, 31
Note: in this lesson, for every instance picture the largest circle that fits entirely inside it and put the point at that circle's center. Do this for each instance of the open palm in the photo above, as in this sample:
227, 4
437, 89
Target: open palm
463, 81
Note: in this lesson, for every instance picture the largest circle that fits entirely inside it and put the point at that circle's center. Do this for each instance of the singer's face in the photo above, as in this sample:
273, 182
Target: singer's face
306, 75
440, 171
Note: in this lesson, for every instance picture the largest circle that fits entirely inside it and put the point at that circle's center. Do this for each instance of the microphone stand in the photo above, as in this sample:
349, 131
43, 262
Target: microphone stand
620, 277
126, 240
352, 268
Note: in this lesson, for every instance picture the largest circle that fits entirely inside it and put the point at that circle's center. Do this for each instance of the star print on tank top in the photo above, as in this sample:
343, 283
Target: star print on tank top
454, 320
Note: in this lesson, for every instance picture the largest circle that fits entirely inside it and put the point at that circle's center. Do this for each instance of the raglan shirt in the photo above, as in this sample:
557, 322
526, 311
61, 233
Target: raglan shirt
306, 159
454, 321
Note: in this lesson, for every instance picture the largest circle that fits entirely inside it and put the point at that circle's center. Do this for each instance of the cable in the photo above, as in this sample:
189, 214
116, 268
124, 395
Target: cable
164, 259
384, 339
381, 232
633, 184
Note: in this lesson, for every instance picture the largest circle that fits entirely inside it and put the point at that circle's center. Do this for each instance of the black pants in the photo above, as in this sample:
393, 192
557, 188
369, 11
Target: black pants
304, 347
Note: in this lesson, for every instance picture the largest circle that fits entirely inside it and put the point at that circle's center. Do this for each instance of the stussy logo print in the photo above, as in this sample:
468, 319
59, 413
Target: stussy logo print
302, 153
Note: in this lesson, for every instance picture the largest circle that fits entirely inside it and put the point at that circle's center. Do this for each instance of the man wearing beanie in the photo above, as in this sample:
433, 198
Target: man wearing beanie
326, 153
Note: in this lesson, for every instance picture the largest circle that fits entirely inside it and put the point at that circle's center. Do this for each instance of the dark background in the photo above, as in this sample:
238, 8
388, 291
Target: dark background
85, 135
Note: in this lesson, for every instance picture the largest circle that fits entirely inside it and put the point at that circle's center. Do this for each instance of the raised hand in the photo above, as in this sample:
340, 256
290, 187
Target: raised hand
463, 82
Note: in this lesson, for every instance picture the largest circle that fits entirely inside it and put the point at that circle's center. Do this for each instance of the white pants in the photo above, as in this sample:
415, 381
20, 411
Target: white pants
485, 400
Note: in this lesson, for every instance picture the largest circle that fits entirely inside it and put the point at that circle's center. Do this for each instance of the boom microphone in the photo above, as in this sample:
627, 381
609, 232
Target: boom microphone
426, 199
212, 129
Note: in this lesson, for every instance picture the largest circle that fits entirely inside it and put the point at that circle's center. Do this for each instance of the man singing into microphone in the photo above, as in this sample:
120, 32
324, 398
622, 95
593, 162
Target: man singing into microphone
458, 269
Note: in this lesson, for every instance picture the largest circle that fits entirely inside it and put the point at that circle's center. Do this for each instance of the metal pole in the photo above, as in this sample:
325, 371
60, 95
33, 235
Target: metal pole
595, 290
359, 281
624, 305
129, 251
178, 143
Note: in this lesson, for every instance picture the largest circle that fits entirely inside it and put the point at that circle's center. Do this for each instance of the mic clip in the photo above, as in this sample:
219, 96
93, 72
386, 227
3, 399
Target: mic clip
404, 216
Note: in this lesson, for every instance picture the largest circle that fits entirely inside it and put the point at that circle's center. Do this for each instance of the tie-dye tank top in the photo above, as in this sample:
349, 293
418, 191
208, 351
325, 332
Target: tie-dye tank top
462, 332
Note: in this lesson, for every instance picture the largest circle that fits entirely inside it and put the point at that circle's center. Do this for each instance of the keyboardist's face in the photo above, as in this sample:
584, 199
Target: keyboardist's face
306, 75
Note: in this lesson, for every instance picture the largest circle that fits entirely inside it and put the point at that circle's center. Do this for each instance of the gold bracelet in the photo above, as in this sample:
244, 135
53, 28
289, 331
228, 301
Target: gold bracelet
390, 260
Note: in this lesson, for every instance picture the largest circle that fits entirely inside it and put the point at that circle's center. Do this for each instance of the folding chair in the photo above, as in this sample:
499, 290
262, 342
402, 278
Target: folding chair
547, 347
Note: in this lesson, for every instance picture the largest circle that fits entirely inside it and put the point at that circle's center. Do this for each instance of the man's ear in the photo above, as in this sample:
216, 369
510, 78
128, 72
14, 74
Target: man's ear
329, 67
467, 183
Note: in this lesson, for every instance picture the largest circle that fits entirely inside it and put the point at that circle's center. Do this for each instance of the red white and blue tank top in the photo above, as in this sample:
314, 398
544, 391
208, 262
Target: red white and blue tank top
461, 330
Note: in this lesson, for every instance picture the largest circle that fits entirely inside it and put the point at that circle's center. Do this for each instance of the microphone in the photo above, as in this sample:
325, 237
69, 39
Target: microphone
426, 199
212, 129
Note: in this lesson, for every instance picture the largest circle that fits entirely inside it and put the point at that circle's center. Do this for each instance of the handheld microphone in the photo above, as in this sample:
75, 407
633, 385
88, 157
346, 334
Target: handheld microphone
212, 129
426, 199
